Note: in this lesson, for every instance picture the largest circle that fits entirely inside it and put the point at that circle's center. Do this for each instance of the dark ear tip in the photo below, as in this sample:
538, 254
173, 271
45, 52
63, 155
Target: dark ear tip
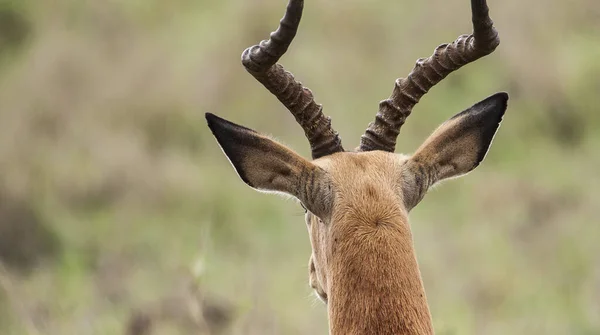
503, 96
495, 104
218, 124
499, 99
212, 120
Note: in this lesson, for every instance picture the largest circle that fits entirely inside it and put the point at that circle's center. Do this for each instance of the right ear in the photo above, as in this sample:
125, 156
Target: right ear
457, 147
266, 165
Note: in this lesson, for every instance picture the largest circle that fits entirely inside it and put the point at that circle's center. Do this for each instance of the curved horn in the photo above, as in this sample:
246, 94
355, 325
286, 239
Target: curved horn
261, 61
383, 132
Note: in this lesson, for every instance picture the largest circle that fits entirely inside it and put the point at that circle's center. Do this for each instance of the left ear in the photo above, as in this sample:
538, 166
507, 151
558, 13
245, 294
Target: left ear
460, 144
266, 165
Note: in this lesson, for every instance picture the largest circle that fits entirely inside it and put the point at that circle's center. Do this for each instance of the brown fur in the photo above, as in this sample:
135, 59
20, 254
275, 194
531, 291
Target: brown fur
363, 256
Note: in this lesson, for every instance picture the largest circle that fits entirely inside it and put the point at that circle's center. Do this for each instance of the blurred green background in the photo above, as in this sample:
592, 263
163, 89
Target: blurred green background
120, 215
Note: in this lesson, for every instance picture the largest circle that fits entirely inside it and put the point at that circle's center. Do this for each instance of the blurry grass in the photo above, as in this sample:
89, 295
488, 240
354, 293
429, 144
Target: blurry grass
102, 132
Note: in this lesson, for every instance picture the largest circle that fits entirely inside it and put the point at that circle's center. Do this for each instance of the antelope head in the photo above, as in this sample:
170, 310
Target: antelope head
363, 264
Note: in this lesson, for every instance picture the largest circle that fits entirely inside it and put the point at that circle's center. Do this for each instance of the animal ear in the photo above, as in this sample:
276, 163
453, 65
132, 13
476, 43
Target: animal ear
460, 144
266, 165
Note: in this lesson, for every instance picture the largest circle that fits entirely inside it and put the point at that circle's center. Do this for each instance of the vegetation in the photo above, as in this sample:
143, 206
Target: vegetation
135, 219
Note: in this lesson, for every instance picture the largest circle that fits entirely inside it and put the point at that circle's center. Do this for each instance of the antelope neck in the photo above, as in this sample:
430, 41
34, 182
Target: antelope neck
375, 285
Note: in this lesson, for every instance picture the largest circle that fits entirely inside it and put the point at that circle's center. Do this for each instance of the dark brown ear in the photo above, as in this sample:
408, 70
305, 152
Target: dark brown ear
461, 143
266, 165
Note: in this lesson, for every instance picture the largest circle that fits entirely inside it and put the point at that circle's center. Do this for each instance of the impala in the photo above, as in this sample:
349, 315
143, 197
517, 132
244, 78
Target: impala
363, 263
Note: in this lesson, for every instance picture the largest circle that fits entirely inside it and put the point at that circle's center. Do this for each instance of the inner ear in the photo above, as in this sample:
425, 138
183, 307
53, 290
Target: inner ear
266, 165
460, 144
